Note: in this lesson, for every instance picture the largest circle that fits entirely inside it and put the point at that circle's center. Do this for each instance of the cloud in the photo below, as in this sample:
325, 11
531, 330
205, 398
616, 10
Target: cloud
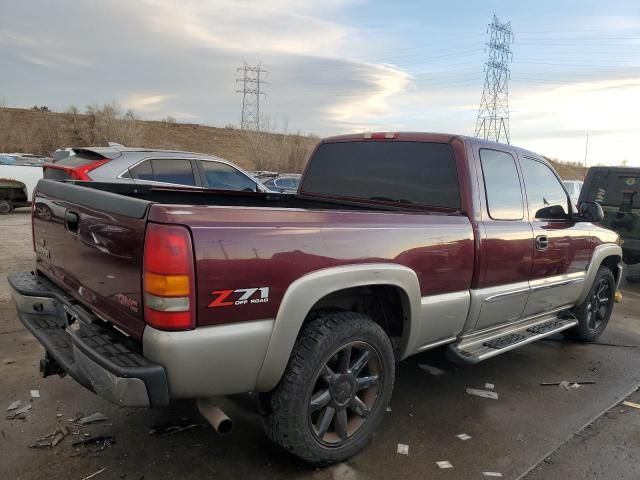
555, 120
145, 102
48, 52
246, 27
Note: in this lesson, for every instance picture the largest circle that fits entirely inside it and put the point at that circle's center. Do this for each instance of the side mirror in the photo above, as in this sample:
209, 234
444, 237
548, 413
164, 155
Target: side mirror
552, 212
591, 212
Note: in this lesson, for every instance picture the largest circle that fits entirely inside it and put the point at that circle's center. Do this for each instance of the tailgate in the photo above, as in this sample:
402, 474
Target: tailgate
90, 243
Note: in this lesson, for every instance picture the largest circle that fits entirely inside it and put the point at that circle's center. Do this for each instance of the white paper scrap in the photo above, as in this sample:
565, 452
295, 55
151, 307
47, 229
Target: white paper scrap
35, 393
444, 464
464, 436
482, 393
432, 370
492, 474
489, 386
403, 449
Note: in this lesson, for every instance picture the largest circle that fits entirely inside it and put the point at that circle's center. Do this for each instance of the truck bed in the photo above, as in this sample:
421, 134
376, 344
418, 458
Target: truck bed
241, 241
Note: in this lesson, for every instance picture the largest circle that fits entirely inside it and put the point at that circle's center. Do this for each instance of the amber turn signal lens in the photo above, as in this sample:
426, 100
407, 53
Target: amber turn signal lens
166, 285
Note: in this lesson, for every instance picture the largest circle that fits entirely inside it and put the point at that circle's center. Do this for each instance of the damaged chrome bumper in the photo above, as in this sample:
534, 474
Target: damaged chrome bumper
92, 352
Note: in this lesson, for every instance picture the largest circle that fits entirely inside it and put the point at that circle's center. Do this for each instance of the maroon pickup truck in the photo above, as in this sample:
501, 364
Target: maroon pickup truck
394, 244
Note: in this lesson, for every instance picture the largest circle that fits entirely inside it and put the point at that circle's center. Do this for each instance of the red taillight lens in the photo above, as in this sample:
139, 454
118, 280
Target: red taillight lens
382, 135
82, 173
72, 170
168, 278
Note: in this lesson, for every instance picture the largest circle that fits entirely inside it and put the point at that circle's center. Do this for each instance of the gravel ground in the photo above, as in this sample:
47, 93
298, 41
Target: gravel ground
512, 435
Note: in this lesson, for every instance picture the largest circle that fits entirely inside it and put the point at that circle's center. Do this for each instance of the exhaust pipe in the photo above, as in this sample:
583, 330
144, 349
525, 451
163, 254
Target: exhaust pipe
215, 416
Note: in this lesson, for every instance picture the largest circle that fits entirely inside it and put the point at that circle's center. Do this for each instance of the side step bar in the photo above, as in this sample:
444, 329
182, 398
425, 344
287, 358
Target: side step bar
474, 350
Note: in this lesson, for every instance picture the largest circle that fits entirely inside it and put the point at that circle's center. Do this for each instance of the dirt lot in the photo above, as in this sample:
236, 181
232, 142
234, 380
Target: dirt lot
530, 430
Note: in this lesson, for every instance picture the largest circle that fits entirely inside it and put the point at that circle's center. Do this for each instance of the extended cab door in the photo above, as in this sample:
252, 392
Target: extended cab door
505, 250
561, 246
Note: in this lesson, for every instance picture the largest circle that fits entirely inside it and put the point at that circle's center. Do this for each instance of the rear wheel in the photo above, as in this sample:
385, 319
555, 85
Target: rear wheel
594, 313
335, 389
5, 207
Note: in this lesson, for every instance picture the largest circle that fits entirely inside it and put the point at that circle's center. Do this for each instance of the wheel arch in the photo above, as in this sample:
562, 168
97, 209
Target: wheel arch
609, 255
309, 291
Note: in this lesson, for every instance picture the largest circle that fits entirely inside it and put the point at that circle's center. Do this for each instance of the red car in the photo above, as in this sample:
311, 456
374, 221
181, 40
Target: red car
394, 244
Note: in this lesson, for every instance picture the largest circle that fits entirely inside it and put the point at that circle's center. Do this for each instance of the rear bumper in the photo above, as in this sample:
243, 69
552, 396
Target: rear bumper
92, 352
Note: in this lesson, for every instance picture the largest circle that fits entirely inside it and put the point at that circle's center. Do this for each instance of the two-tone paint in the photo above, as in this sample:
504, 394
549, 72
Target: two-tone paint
459, 272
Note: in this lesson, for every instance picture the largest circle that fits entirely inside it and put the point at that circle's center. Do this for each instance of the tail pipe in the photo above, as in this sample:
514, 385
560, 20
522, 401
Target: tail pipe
215, 416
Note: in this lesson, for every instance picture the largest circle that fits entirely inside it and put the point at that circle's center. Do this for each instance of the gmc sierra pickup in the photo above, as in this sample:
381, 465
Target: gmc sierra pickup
394, 244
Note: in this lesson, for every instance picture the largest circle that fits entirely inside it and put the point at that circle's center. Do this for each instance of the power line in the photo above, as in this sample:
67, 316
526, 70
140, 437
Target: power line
493, 114
251, 91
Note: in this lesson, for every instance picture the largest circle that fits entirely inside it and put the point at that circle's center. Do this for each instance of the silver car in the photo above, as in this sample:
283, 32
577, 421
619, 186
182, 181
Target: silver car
151, 166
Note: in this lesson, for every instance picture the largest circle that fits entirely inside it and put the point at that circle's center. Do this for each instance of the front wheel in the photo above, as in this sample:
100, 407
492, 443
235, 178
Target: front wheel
335, 389
594, 313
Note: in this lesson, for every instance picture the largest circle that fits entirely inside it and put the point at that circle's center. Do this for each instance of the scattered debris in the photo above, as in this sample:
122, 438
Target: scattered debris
444, 464
432, 370
491, 474
464, 436
342, 471
20, 414
9, 362
76, 417
631, 404
482, 393
35, 393
14, 405
565, 385
388, 409
403, 449
489, 386
564, 382
58, 415
170, 429
93, 418
613, 345
180, 429
104, 439
52, 439
94, 474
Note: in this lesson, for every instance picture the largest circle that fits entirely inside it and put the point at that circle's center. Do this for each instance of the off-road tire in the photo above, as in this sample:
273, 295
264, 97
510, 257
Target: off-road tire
286, 414
587, 330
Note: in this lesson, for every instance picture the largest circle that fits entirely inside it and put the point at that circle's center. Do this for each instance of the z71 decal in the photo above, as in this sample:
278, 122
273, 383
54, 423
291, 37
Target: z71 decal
239, 296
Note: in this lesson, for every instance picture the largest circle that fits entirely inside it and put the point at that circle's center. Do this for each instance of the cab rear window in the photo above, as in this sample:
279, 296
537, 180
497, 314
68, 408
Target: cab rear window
403, 172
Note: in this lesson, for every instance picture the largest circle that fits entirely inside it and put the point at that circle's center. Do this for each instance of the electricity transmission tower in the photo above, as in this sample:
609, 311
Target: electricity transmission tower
493, 115
252, 84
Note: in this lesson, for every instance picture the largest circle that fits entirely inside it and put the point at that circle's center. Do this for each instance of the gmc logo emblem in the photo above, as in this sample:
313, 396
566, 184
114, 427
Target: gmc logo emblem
239, 296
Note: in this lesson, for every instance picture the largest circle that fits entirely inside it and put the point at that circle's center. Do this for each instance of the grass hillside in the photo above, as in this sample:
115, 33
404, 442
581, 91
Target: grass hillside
43, 132
35, 131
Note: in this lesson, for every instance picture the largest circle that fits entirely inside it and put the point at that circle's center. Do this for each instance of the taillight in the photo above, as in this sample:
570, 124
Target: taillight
382, 135
168, 278
56, 171
82, 173
33, 230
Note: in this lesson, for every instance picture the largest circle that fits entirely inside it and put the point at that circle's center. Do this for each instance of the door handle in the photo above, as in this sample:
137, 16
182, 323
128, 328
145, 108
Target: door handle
542, 242
71, 221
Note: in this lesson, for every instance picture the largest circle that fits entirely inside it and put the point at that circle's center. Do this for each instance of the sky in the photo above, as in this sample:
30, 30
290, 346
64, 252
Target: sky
339, 66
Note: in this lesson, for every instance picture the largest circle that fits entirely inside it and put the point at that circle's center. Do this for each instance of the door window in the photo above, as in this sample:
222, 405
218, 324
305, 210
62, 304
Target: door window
221, 176
502, 185
547, 199
169, 170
